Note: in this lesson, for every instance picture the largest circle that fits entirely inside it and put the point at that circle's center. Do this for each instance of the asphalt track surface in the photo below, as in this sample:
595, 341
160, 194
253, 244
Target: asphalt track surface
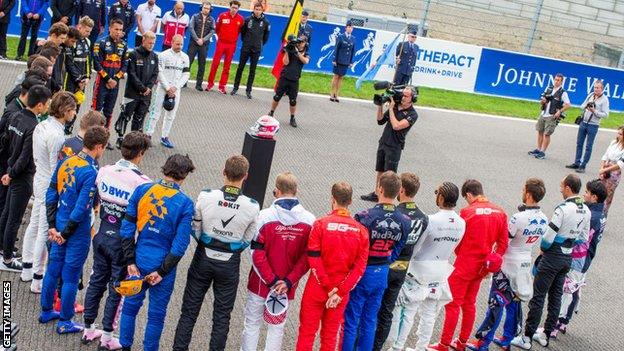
338, 142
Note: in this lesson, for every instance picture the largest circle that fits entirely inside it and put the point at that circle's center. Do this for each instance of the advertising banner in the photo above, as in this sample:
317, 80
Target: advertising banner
510, 74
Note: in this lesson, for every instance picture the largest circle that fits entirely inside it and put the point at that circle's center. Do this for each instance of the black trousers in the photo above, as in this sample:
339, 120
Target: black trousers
201, 52
402, 79
19, 192
32, 26
135, 112
204, 272
253, 58
384, 316
3, 38
551, 273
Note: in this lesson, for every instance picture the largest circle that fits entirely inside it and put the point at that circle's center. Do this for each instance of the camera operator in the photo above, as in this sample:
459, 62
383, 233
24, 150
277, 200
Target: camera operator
554, 102
296, 56
595, 108
398, 119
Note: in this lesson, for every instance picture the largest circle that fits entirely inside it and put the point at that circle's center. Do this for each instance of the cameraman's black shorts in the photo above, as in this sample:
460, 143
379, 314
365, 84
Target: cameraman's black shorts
387, 158
287, 87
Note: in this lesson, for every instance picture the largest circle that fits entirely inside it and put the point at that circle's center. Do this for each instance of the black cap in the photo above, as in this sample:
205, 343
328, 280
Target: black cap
413, 32
169, 102
305, 13
349, 23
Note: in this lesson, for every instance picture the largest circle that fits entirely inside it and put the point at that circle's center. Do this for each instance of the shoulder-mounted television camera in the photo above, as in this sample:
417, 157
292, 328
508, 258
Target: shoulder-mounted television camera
392, 91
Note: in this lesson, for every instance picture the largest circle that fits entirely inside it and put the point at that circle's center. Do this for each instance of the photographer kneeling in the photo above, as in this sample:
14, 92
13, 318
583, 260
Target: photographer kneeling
296, 55
398, 119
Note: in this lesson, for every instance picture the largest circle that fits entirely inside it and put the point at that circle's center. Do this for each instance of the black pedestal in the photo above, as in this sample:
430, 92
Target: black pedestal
259, 153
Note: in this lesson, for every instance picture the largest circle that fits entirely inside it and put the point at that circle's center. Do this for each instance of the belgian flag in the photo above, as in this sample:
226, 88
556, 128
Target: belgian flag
292, 27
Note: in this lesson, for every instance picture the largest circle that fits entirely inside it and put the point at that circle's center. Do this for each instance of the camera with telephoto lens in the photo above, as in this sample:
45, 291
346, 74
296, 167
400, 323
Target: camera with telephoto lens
590, 104
394, 92
293, 41
547, 95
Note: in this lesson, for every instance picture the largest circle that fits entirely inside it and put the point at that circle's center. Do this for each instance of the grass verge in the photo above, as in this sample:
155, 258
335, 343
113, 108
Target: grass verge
319, 83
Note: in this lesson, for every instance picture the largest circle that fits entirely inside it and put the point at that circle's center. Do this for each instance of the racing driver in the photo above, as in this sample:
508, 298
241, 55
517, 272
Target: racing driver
337, 254
224, 224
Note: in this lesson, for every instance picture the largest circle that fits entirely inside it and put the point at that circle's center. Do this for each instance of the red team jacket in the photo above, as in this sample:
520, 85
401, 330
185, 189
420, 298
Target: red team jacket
486, 228
173, 25
228, 27
338, 251
279, 250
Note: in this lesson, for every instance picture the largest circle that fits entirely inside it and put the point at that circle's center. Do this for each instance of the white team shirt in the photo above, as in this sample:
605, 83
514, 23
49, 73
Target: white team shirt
525, 229
173, 69
48, 138
148, 17
568, 225
444, 231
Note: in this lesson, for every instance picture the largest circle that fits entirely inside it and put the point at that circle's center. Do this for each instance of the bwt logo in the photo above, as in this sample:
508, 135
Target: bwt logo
116, 192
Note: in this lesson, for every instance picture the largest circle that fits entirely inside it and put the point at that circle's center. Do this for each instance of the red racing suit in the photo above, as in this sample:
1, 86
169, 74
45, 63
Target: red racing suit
227, 29
337, 254
486, 231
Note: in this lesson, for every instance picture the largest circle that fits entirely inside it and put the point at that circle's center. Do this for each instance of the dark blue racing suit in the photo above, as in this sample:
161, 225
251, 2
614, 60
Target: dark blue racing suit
388, 230
110, 62
162, 215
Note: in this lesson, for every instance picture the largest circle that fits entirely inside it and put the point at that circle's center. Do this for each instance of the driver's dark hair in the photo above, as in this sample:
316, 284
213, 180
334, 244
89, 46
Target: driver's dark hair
178, 167
449, 193
573, 182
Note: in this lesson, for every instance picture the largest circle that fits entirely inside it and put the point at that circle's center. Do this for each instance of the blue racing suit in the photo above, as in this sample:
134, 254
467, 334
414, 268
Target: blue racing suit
388, 230
162, 215
111, 63
69, 202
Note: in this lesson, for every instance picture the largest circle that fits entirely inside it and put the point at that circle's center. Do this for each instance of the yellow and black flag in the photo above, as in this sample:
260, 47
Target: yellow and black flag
292, 28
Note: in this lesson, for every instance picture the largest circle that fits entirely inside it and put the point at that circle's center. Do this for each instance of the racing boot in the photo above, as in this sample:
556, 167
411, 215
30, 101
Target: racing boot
78, 308
438, 347
36, 285
46, 316
559, 328
108, 342
27, 273
458, 345
293, 122
522, 342
476, 345
90, 334
541, 337
502, 342
68, 327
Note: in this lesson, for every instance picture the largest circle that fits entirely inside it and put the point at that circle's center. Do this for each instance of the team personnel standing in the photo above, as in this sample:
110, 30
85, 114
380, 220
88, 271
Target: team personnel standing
32, 13
111, 63
337, 254
288, 83
406, 55
82, 60
478, 253
568, 226
278, 261
582, 255
609, 172
63, 11
5, 18
174, 23
142, 76
123, 11
69, 204
343, 59
254, 34
224, 225
410, 183
228, 27
65, 70
426, 288
304, 27
115, 185
398, 120
388, 229
159, 215
514, 282
595, 108
202, 28
147, 18
18, 176
554, 102
96, 11
173, 73
48, 138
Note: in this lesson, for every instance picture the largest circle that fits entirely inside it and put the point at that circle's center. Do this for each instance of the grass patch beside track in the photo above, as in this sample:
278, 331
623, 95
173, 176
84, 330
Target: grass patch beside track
319, 83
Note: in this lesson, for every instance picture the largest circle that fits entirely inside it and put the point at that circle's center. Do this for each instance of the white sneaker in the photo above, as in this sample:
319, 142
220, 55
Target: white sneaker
541, 337
27, 275
35, 286
522, 341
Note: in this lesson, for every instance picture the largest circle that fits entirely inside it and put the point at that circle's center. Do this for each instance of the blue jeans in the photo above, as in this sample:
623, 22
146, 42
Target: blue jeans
586, 131
361, 313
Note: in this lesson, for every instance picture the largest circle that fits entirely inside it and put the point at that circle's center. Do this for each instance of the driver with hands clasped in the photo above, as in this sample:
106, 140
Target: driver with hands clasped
398, 120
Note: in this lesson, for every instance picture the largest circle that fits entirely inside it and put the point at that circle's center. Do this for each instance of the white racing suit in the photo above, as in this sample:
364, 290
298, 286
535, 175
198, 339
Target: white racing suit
426, 288
173, 71
48, 139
